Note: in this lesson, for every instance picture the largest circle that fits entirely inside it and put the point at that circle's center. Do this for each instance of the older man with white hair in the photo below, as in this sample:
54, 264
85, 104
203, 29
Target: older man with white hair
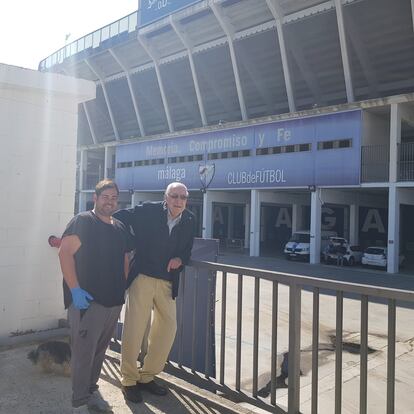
164, 233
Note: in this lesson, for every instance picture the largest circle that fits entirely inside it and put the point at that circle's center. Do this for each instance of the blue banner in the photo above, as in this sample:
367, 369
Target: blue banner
152, 10
319, 150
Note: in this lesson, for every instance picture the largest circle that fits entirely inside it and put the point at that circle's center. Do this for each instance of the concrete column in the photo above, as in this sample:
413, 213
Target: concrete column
247, 226
393, 230
207, 215
82, 169
82, 201
315, 227
108, 167
82, 176
296, 217
344, 51
353, 224
134, 199
395, 139
230, 227
255, 223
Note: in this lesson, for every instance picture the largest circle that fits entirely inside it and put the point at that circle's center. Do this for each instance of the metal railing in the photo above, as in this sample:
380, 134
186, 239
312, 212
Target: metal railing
375, 161
92, 40
406, 161
231, 294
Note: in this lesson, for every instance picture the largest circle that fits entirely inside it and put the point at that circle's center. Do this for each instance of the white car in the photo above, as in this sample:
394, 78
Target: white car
298, 246
377, 256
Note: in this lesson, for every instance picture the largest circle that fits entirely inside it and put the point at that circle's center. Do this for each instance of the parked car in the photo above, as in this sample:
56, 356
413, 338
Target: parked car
339, 251
298, 246
377, 256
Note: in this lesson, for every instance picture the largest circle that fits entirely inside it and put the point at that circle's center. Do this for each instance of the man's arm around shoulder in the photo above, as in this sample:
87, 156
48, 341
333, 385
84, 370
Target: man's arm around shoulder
125, 215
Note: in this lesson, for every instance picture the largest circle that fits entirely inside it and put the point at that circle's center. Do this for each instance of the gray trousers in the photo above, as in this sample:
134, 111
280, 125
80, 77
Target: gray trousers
90, 335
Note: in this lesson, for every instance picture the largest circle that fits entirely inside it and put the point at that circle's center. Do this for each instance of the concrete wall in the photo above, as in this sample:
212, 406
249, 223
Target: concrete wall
38, 132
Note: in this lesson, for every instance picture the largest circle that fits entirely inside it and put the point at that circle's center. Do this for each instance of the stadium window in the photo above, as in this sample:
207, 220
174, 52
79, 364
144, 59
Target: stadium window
114, 29
172, 160
132, 22
224, 155
88, 41
245, 153
335, 144
345, 143
104, 33
262, 151
73, 48
290, 148
123, 25
324, 145
198, 157
81, 44
181, 159
96, 38
304, 147
124, 164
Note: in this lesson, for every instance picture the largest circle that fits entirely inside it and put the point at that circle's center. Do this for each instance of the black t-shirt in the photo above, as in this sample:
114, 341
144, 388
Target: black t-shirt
99, 261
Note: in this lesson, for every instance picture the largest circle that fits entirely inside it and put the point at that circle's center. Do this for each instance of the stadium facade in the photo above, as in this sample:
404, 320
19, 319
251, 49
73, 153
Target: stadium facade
279, 115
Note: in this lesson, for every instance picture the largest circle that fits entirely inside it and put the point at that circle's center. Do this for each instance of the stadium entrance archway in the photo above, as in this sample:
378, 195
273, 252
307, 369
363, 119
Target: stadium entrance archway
275, 228
229, 224
407, 234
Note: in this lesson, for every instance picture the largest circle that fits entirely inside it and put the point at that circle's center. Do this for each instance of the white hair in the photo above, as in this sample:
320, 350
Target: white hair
175, 185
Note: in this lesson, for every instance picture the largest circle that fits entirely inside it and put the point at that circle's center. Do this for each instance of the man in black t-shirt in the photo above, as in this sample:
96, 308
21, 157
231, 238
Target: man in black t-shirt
94, 262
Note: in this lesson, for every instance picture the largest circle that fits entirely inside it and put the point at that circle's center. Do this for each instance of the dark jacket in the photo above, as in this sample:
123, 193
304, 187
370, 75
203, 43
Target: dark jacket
153, 243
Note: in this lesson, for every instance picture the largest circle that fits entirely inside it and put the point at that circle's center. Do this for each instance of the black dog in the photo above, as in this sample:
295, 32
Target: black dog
52, 356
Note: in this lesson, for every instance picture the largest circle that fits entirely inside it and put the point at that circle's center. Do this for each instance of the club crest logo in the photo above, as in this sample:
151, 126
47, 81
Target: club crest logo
206, 172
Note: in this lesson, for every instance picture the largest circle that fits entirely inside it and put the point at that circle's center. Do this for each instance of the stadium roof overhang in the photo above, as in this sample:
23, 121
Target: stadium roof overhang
238, 60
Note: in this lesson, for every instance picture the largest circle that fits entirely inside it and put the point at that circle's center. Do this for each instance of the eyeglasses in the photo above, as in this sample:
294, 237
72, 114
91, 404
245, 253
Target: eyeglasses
178, 196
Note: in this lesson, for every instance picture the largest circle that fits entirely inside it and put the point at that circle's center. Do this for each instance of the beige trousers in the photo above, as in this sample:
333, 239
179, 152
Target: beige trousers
144, 294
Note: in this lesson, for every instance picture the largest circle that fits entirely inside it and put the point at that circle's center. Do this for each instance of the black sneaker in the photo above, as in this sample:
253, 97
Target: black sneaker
132, 393
152, 387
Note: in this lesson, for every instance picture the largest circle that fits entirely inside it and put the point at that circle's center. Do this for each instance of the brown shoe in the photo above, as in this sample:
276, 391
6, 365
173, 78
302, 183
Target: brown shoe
132, 393
153, 388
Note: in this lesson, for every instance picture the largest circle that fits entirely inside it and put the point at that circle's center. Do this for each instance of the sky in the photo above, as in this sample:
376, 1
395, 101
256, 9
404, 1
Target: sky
32, 30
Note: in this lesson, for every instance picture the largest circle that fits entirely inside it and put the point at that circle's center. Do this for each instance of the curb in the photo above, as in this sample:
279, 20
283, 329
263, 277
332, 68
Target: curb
203, 394
26, 339
226, 406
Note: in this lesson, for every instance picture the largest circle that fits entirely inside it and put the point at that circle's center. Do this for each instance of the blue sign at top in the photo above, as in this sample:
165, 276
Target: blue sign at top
152, 10
319, 150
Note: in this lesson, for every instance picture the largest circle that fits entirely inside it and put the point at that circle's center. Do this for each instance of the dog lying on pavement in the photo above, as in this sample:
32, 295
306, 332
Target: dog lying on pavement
52, 357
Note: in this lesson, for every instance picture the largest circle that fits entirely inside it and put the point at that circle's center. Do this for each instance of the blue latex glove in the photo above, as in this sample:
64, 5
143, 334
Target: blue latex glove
80, 298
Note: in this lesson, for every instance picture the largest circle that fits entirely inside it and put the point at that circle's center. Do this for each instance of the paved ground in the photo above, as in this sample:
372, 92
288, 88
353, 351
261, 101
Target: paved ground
369, 276
377, 326
23, 389
26, 390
